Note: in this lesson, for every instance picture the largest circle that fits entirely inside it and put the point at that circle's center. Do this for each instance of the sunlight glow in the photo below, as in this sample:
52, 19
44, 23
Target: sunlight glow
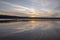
33, 13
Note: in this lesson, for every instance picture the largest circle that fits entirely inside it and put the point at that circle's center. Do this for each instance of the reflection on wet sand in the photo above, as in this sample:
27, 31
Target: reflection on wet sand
30, 30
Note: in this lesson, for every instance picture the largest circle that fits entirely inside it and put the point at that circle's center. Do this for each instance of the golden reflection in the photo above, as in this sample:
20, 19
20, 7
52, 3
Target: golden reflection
43, 25
33, 24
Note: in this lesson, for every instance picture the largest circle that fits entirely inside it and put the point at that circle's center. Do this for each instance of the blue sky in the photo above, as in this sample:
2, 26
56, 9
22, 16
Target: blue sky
39, 6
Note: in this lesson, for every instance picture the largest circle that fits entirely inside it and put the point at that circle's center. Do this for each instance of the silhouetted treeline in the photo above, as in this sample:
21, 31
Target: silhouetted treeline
18, 17
8, 17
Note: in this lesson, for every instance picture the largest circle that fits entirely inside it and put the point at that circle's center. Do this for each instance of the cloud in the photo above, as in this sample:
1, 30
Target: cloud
47, 4
40, 7
16, 7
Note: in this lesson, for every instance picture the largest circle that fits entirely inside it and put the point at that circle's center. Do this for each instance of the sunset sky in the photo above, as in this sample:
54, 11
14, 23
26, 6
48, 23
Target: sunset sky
33, 8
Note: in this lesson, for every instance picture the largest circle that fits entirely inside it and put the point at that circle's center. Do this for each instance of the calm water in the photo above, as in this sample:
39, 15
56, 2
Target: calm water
30, 30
